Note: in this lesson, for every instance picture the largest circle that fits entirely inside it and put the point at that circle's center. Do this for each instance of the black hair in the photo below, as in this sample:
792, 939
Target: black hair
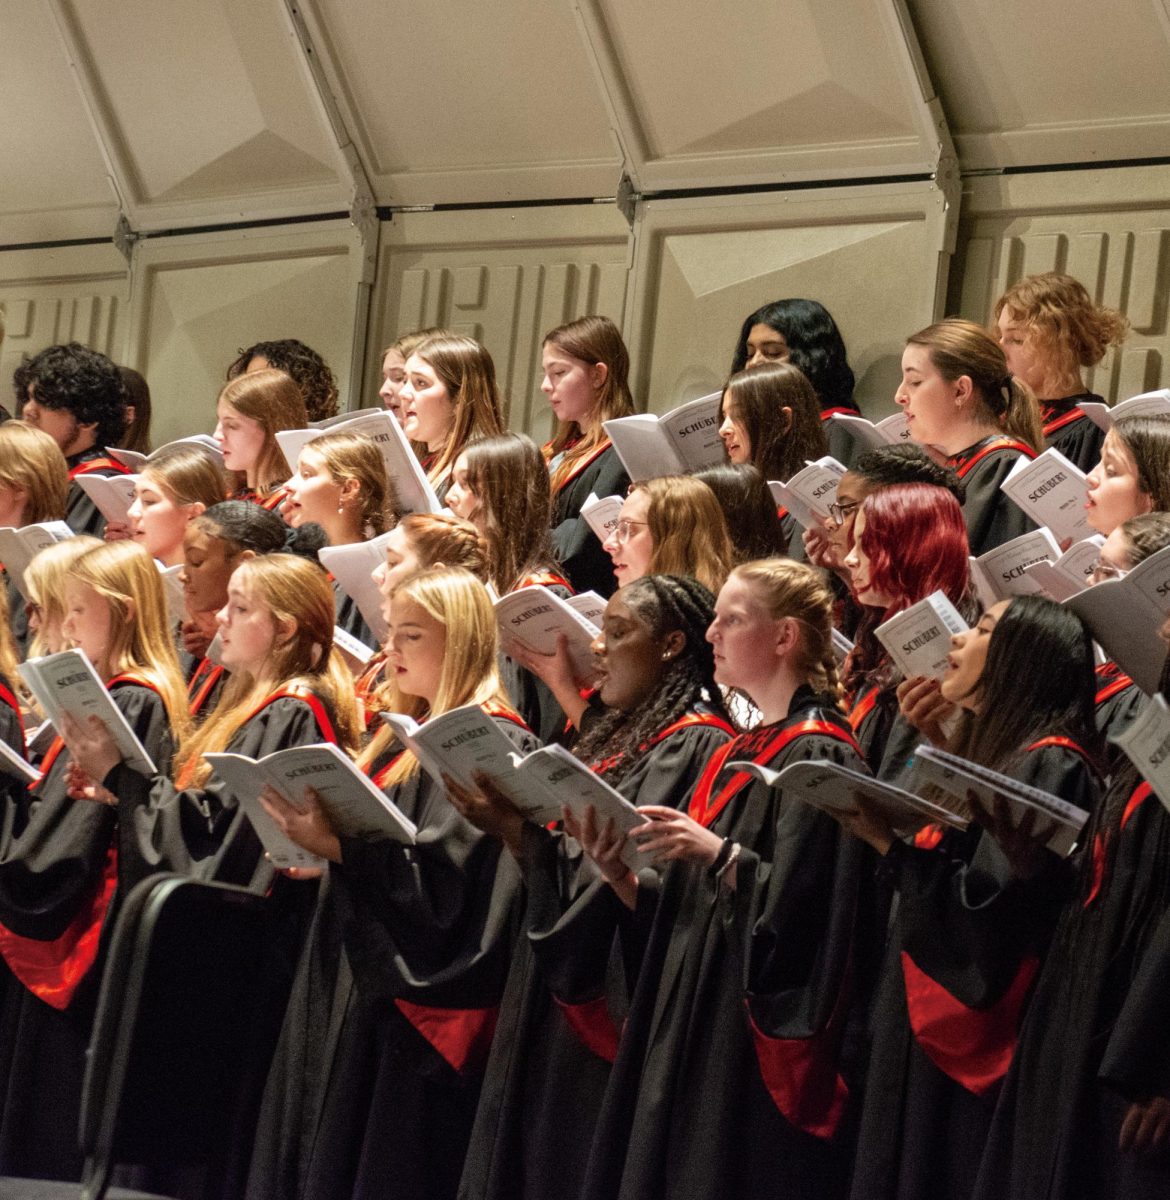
244, 526
308, 370
750, 510
905, 463
1054, 695
305, 541
666, 603
814, 345
80, 381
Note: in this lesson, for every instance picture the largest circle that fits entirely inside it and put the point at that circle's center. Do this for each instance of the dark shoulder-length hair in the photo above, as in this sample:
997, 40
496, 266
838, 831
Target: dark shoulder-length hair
815, 345
1038, 681
749, 509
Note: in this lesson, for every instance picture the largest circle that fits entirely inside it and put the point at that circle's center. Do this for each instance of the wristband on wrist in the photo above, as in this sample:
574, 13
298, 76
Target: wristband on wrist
721, 858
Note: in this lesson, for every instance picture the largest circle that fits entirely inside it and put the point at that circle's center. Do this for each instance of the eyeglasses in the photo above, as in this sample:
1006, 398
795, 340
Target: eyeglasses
623, 530
1103, 570
840, 511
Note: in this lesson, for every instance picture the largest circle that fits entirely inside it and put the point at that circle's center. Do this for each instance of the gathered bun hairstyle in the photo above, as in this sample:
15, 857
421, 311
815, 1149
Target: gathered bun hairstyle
125, 577
32, 461
1145, 535
272, 399
350, 456
470, 675
1147, 439
958, 347
467, 371
448, 541
591, 340
781, 444
666, 603
188, 475
509, 477
784, 588
297, 594
687, 529
1067, 327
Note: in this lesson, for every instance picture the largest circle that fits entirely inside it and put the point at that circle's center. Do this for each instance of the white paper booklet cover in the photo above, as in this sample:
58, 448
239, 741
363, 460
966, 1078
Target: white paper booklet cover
353, 567
602, 515
1003, 570
534, 616
1053, 492
870, 435
1072, 572
808, 494
919, 639
1148, 404
682, 440
18, 547
1146, 743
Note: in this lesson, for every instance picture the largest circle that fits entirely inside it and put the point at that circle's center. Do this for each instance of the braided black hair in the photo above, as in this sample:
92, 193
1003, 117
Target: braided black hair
666, 603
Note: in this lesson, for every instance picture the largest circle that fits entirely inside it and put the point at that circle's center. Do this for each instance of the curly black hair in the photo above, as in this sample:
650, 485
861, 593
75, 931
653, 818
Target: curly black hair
80, 381
666, 603
307, 368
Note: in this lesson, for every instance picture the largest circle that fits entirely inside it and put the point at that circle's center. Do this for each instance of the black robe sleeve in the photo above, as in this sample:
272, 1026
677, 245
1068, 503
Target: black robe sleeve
53, 849
203, 832
992, 516
348, 617
576, 546
1079, 440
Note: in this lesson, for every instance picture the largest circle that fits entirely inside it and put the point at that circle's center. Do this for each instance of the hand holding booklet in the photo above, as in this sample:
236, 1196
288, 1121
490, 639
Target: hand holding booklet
467, 741
956, 777
67, 683
1053, 492
684, 439
534, 616
355, 806
808, 494
836, 789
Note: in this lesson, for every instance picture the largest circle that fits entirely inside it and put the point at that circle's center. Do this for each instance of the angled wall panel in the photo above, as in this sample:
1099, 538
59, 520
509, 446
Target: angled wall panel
1110, 229
72, 293
872, 256
198, 300
503, 277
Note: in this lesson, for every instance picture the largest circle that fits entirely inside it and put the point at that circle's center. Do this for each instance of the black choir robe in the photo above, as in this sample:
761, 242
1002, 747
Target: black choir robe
577, 547
1071, 432
992, 516
842, 444
60, 877
1095, 1034
963, 953
379, 1064
203, 832
81, 514
204, 688
531, 696
1118, 702
566, 996
727, 1081
348, 616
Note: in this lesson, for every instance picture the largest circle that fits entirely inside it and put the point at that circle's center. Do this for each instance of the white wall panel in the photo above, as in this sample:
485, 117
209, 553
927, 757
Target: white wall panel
874, 257
73, 293
504, 277
198, 300
1110, 229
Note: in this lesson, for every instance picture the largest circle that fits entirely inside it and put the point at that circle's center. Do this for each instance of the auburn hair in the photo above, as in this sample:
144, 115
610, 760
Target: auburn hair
273, 400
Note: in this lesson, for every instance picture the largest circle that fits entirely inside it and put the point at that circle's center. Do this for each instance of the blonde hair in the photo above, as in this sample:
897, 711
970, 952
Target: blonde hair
125, 577
590, 340
1067, 327
407, 343
187, 475
32, 461
958, 348
785, 588
470, 675
44, 584
351, 456
9, 653
688, 529
297, 592
273, 400
466, 370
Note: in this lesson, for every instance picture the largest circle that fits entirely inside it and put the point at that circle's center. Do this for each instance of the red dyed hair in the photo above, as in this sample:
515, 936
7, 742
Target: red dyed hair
916, 541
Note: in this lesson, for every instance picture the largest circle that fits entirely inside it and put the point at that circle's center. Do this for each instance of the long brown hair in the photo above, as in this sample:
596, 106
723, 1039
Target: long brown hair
1005, 403
466, 370
590, 340
272, 399
781, 445
688, 530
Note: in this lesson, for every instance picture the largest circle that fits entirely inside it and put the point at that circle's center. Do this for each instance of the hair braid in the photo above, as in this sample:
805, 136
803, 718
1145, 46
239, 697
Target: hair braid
666, 603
